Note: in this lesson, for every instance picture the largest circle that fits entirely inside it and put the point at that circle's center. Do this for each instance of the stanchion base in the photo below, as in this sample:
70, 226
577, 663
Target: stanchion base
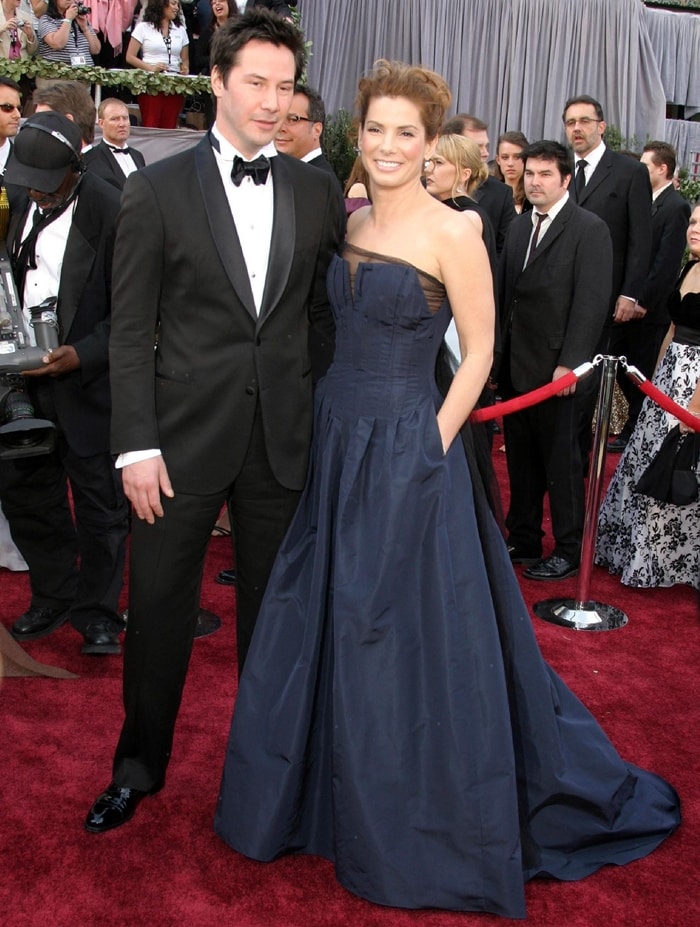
581, 616
207, 623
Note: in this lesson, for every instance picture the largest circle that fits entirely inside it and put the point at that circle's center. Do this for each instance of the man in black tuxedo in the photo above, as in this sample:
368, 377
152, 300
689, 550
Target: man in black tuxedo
670, 214
61, 244
555, 285
615, 187
112, 158
493, 195
220, 262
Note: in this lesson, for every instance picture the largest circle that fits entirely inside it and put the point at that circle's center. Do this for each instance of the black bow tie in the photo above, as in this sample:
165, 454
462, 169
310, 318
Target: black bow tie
257, 169
116, 150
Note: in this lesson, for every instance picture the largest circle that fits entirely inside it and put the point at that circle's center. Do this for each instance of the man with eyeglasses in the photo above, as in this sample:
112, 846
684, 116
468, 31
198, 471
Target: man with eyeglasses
616, 188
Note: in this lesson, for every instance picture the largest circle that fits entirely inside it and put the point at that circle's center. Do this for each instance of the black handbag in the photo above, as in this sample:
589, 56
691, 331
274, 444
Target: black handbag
672, 475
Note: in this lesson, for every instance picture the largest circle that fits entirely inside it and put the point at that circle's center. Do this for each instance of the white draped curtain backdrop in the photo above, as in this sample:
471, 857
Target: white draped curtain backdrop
514, 63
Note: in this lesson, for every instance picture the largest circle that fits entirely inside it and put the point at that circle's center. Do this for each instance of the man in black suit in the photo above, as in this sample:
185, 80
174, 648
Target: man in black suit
669, 224
615, 187
112, 158
301, 132
493, 195
61, 239
221, 260
555, 285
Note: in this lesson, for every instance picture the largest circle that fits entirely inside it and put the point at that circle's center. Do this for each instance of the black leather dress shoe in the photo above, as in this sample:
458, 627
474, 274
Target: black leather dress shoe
551, 568
37, 622
617, 445
113, 808
100, 637
518, 555
227, 577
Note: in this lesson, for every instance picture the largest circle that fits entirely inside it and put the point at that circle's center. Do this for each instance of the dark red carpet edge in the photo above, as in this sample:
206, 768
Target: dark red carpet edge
168, 868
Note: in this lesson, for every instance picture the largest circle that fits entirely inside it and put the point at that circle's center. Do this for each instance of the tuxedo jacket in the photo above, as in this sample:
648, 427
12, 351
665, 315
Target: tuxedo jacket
81, 399
619, 191
496, 198
101, 161
554, 309
669, 223
180, 281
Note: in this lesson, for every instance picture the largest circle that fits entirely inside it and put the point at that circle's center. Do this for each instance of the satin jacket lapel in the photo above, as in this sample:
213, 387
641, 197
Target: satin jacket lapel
597, 177
77, 264
112, 162
221, 224
283, 238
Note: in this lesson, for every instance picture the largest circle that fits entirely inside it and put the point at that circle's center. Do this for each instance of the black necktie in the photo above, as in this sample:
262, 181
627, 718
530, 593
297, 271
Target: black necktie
257, 169
541, 216
580, 177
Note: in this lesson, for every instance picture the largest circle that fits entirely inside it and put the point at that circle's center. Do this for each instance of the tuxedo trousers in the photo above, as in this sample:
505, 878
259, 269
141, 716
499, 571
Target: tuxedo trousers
543, 457
166, 563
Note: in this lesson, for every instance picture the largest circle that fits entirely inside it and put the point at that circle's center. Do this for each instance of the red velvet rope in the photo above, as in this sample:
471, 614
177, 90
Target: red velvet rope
661, 399
528, 399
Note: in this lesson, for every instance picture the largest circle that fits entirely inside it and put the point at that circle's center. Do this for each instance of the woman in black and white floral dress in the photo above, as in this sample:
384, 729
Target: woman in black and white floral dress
654, 543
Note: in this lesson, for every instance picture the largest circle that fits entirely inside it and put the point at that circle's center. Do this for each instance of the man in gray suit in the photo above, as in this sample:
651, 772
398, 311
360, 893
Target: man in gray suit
556, 271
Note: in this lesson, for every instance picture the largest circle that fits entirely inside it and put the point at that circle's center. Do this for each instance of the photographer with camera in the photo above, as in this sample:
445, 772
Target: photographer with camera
66, 36
61, 239
17, 37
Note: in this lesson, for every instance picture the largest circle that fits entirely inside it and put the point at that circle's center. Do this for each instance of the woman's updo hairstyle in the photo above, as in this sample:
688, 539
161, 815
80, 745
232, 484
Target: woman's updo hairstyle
424, 88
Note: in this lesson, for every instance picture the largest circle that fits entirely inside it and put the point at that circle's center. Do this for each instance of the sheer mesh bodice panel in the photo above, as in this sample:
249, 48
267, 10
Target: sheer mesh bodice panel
433, 289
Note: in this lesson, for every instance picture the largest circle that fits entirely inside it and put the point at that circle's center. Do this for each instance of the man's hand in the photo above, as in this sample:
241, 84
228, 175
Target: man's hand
639, 312
143, 484
624, 309
62, 360
560, 372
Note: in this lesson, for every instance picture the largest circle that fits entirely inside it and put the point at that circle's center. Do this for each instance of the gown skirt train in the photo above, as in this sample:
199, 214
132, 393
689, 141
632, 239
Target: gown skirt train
395, 714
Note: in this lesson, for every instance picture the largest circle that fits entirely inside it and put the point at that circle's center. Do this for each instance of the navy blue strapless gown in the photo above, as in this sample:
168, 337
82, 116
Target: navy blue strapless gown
395, 714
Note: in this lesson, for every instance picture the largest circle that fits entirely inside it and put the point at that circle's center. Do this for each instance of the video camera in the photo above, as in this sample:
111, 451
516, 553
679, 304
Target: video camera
21, 434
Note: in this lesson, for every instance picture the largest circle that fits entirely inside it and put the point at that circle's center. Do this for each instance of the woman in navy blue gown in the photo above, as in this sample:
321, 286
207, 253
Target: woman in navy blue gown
395, 714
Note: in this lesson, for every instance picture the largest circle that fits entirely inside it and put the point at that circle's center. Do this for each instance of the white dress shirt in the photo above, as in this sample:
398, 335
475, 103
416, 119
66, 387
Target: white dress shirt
42, 283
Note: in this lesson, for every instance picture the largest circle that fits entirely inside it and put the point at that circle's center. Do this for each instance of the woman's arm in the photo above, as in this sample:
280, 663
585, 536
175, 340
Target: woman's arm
185, 60
57, 38
132, 58
466, 273
93, 42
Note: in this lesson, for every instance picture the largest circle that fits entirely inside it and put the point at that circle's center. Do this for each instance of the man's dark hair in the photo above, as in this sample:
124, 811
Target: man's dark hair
462, 121
549, 151
663, 153
70, 98
256, 25
8, 82
584, 98
317, 111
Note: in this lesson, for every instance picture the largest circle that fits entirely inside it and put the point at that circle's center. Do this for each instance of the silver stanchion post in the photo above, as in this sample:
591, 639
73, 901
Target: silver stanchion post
581, 613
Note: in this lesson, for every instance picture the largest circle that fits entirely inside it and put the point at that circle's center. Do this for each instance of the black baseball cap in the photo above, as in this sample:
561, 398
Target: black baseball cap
46, 145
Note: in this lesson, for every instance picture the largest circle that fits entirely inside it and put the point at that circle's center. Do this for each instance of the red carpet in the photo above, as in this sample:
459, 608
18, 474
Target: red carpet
167, 868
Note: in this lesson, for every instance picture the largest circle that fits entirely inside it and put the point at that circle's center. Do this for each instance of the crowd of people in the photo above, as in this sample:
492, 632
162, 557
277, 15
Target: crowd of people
243, 336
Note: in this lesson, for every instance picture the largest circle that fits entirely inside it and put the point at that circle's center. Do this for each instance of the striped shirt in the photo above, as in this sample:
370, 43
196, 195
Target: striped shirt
77, 43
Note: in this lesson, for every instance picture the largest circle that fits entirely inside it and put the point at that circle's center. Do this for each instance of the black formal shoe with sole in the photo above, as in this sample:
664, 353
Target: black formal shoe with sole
99, 638
226, 578
37, 622
518, 555
112, 808
552, 568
